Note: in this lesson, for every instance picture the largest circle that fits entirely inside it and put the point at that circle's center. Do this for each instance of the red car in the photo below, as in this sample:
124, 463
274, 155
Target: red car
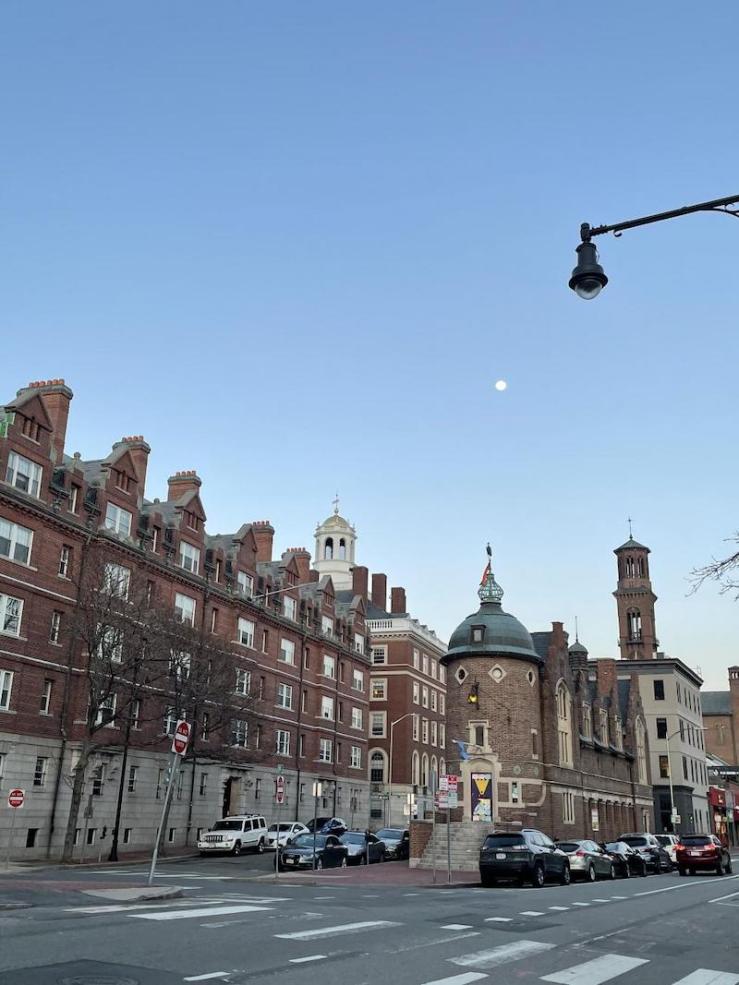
697, 852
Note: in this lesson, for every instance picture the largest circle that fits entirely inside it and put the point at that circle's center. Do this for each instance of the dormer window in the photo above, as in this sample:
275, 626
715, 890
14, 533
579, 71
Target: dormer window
31, 429
191, 520
122, 481
478, 634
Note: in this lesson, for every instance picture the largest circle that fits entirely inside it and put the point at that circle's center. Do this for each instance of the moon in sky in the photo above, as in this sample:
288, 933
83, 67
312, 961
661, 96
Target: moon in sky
501, 385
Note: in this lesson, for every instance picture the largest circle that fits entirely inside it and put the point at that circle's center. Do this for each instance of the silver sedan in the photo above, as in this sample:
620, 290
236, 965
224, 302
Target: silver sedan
588, 860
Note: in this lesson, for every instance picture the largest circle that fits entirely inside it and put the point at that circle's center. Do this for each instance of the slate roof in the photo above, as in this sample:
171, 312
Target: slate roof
541, 643
629, 545
716, 702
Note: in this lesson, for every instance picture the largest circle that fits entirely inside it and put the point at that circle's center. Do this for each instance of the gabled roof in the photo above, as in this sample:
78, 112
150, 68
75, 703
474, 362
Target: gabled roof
30, 404
716, 702
631, 544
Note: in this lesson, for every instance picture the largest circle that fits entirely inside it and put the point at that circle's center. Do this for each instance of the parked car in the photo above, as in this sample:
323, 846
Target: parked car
588, 860
288, 831
329, 825
650, 850
234, 835
397, 842
356, 843
628, 860
329, 852
524, 856
696, 852
669, 843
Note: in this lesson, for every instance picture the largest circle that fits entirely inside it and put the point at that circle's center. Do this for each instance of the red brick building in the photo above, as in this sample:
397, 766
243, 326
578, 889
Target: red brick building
301, 651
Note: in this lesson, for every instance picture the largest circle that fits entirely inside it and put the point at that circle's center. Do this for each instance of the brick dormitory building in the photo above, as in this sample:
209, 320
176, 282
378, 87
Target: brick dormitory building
296, 651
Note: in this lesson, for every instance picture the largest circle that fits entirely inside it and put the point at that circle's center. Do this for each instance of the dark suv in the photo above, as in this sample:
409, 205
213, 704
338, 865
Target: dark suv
524, 856
656, 858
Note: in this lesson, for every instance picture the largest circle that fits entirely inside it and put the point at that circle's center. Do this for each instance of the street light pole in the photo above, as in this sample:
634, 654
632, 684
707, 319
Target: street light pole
410, 714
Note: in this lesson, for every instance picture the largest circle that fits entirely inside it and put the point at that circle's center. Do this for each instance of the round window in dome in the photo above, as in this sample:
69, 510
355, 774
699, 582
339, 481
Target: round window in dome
461, 675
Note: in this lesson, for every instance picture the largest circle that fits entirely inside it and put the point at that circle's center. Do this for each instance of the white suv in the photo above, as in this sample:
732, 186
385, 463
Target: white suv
234, 834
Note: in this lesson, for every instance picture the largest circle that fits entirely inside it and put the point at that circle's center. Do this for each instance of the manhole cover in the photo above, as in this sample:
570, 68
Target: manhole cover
98, 980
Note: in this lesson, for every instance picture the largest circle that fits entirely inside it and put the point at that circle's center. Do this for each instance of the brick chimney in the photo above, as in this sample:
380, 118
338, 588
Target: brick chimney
302, 559
56, 398
181, 483
139, 451
264, 534
398, 605
606, 669
379, 591
360, 580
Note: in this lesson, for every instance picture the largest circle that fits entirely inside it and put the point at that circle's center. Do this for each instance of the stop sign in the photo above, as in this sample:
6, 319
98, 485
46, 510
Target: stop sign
16, 798
181, 737
280, 790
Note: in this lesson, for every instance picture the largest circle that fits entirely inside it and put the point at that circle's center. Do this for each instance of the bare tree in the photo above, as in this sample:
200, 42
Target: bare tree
722, 571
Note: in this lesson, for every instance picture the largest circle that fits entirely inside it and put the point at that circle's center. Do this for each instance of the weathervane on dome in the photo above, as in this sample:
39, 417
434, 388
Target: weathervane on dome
335, 501
489, 590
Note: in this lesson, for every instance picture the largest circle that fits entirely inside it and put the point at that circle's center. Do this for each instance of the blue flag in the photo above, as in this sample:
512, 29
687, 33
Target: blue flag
462, 746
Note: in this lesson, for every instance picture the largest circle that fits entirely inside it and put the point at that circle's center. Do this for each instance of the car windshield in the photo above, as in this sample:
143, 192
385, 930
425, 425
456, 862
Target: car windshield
568, 846
696, 840
664, 839
306, 841
615, 846
353, 838
227, 826
636, 841
503, 841
390, 834
282, 827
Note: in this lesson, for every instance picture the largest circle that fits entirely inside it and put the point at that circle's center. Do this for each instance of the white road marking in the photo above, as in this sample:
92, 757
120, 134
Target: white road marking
204, 978
559, 908
619, 897
581, 904
597, 900
122, 907
309, 957
595, 972
211, 911
684, 885
496, 956
704, 976
456, 926
720, 898
531, 913
411, 894
345, 928
465, 979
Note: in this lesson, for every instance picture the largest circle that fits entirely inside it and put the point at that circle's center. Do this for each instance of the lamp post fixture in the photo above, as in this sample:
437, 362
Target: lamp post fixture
588, 278
411, 714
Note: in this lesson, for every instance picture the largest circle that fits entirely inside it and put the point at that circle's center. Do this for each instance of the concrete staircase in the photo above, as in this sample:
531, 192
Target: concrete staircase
466, 839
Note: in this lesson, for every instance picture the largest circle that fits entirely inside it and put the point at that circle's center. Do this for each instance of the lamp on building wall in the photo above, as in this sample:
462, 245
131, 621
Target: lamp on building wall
473, 698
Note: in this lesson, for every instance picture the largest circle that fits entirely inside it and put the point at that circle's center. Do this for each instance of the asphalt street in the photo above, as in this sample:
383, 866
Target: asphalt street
235, 925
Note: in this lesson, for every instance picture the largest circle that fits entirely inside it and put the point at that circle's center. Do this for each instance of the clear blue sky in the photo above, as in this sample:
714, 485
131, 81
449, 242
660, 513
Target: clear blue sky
294, 244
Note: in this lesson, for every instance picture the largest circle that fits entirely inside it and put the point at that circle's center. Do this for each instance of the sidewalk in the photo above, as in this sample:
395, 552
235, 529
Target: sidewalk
386, 874
124, 858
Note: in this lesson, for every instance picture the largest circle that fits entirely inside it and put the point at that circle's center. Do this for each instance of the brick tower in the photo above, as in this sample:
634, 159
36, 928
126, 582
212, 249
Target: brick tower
637, 634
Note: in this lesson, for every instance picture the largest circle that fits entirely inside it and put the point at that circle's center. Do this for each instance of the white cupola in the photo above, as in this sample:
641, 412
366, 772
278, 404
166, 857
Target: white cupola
335, 540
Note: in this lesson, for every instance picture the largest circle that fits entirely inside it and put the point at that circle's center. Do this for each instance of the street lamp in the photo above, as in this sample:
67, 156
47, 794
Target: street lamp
410, 714
588, 277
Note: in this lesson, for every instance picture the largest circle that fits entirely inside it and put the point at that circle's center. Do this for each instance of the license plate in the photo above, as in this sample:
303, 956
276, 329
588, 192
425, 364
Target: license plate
291, 861
696, 853
500, 854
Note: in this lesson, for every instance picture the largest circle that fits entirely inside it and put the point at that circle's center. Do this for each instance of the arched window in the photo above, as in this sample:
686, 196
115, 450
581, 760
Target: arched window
442, 766
425, 770
630, 568
564, 724
642, 568
634, 620
416, 773
328, 549
434, 778
377, 766
641, 752
342, 549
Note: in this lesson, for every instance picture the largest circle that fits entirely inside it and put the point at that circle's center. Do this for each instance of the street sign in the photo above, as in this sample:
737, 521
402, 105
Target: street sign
676, 818
16, 798
181, 737
280, 790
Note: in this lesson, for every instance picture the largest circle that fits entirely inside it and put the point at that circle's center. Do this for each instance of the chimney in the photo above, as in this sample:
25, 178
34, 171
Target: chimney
314, 575
379, 591
606, 670
360, 580
139, 451
181, 483
264, 534
302, 559
56, 398
398, 605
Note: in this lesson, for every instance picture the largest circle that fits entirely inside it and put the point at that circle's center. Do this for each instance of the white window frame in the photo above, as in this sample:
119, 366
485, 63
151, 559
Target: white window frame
327, 626
17, 536
6, 689
239, 733
286, 653
379, 655
245, 584
357, 718
434, 700
290, 608
416, 693
46, 696
282, 742
5, 619
243, 681
442, 735
245, 630
328, 668
284, 696
424, 697
184, 607
55, 629
355, 760
434, 732
568, 808
327, 708
416, 659
65, 559
442, 705
179, 664
425, 663
380, 683
118, 520
378, 721
116, 580
189, 558
110, 644
357, 680
325, 751
107, 705
33, 473
40, 773
171, 717
414, 733
359, 643
425, 731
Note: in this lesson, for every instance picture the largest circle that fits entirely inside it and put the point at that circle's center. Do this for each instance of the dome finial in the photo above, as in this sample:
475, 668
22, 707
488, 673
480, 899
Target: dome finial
489, 590
335, 501
630, 533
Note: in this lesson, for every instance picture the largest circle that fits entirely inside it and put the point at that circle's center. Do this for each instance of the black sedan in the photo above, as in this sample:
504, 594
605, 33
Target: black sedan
650, 850
627, 860
362, 845
300, 854
397, 842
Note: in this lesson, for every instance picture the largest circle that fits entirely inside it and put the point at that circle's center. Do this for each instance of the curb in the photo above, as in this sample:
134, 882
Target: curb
28, 867
172, 892
15, 906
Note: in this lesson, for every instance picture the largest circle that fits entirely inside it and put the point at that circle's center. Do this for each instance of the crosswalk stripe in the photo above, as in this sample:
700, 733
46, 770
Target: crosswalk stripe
465, 979
531, 913
704, 976
210, 911
595, 972
562, 908
597, 900
581, 904
345, 928
456, 926
307, 958
498, 919
501, 955
210, 975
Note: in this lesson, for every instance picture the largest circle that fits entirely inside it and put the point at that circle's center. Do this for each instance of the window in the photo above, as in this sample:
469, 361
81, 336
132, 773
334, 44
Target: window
662, 728
534, 744
416, 693
117, 520
325, 750
587, 721
24, 474
171, 834
357, 680
634, 623
442, 735
414, 727
74, 497
478, 634
285, 696
425, 697
55, 629
434, 700
11, 613
46, 697
205, 727
327, 626
243, 681
245, 632
184, 608
170, 721
379, 689
357, 718
106, 711
415, 769
6, 686
442, 704
434, 733
65, 561
329, 666
40, 771
355, 757
282, 743
287, 652
434, 668
189, 557
15, 541
377, 723
425, 663
425, 731
416, 659
685, 768
659, 690
290, 607
135, 710
257, 788
568, 808
116, 580
179, 664
377, 767
564, 725
127, 836
245, 584
477, 734
664, 767
379, 654
109, 644
239, 732
132, 776
641, 751
603, 726
358, 643
424, 770
327, 708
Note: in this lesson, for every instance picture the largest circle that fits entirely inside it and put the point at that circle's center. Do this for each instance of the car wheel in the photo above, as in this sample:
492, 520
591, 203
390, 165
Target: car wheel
720, 868
566, 876
260, 847
627, 871
612, 871
682, 870
644, 869
729, 869
382, 856
343, 862
363, 858
236, 850
487, 881
538, 877
591, 873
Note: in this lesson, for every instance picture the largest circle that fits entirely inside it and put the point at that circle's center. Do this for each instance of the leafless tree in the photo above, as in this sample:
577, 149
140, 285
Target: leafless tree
724, 571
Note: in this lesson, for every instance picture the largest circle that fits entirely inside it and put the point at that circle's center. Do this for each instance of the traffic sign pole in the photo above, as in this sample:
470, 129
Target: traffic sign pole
16, 799
165, 805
